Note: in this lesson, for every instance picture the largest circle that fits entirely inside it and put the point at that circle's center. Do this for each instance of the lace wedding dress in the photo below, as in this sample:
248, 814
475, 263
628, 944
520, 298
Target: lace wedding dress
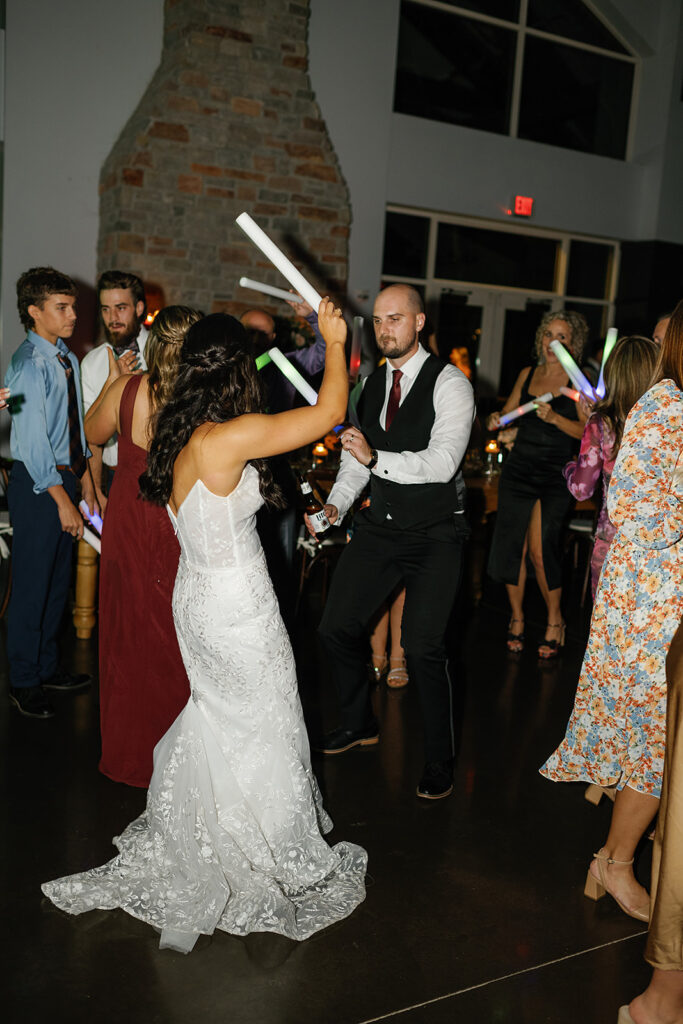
231, 836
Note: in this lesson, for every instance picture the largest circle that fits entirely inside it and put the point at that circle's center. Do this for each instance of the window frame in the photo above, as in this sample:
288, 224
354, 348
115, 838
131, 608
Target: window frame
523, 30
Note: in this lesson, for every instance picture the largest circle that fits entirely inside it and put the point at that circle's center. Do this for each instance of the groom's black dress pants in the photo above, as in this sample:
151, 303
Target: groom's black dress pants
429, 562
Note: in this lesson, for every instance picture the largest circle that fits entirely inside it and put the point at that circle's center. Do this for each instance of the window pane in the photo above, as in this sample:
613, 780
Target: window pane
508, 10
575, 99
495, 257
405, 245
450, 68
518, 342
571, 18
588, 268
596, 318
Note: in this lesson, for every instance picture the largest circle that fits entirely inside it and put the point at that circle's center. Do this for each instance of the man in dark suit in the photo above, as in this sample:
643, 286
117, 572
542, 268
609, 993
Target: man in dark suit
415, 416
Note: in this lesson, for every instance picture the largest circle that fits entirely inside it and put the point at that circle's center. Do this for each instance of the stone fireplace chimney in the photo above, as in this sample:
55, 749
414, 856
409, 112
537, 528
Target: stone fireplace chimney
228, 123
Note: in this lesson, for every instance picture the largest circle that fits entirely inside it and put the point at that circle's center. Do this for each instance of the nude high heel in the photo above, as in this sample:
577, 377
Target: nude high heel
595, 888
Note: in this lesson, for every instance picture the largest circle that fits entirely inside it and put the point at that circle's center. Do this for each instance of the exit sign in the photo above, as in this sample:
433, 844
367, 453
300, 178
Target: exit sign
524, 206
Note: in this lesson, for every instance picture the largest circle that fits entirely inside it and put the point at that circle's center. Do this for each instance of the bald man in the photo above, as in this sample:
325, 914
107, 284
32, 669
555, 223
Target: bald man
415, 414
310, 361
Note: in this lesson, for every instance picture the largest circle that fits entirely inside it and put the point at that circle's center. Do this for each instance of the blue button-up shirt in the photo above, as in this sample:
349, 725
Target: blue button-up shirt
40, 409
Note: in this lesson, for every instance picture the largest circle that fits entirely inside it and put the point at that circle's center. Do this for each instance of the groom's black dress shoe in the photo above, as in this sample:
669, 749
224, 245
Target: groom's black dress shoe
31, 702
67, 681
339, 740
436, 781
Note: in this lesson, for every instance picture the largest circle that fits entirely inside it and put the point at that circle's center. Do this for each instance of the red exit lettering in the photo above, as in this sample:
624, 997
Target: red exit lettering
523, 206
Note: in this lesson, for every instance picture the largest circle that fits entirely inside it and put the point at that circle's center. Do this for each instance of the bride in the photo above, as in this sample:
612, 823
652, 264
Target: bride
231, 835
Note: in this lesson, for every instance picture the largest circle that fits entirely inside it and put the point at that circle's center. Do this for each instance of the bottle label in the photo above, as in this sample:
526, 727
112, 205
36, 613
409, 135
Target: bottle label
319, 521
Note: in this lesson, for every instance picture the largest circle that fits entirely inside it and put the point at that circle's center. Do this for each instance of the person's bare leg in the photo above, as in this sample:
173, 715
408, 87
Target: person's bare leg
552, 598
396, 615
662, 1000
516, 598
632, 814
378, 642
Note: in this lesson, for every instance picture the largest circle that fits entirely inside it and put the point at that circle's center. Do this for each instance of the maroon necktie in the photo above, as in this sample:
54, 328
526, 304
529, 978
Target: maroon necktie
394, 398
77, 460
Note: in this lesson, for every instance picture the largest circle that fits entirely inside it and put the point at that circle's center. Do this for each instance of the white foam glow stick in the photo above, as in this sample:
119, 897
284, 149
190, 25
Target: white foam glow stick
268, 289
578, 379
522, 410
571, 393
356, 338
293, 376
92, 540
279, 260
610, 342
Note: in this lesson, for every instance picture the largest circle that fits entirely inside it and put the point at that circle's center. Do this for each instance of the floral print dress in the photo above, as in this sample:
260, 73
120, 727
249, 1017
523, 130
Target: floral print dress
582, 476
616, 733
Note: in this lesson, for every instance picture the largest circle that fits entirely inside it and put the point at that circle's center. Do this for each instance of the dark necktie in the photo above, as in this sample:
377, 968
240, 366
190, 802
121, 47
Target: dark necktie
77, 459
394, 397
130, 346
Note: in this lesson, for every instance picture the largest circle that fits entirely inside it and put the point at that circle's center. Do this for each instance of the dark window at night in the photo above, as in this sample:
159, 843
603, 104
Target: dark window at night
575, 99
495, 257
405, 245
595, 318
588, 268
454, 69
506, 10
573, 20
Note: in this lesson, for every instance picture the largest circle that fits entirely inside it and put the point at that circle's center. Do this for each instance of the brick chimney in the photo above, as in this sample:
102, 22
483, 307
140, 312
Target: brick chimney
228, 123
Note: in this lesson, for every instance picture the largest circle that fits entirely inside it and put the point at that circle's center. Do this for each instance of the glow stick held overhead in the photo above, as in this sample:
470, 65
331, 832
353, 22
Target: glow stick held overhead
268, 289
279, 260
578, 379
293, 376
610, 342
522, 410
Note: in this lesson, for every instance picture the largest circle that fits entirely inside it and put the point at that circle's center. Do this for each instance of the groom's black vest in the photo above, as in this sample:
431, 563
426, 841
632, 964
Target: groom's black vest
411, 506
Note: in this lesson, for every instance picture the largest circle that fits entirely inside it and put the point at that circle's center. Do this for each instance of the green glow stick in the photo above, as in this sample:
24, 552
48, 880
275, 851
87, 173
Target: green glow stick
578, 379
610, 342
262, 360
293, 376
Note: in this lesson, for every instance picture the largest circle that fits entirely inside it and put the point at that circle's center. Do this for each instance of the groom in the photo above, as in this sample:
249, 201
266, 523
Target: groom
415, 416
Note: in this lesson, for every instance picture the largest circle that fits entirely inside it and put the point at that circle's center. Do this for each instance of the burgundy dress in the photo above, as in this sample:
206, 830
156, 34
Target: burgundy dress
143, 684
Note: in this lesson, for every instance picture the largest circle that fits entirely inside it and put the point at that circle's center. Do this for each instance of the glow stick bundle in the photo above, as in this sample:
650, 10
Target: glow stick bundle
571, 393
268, 289
356, 338
522, 410
578, 379
293, 376
610, 342
279, 260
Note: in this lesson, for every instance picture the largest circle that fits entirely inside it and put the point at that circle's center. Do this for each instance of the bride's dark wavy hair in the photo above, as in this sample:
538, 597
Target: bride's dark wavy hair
217, 381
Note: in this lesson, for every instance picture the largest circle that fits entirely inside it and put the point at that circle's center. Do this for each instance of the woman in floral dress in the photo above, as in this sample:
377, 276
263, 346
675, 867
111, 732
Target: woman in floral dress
628, 373
616, 733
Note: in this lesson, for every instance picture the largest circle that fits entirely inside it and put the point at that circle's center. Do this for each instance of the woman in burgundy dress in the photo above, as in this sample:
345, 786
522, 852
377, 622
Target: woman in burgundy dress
143, 684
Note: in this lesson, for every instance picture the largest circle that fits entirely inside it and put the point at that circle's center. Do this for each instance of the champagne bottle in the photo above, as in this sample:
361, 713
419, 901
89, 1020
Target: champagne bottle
314, 509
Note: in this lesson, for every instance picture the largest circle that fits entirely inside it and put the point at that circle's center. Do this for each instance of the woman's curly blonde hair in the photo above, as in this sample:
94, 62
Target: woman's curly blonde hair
579, 329
165, 341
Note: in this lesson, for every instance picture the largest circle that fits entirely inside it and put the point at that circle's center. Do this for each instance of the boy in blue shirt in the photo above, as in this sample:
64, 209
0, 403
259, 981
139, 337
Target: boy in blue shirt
50, 459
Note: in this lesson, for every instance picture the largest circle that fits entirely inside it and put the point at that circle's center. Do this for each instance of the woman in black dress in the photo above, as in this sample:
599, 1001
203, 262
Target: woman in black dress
533, 499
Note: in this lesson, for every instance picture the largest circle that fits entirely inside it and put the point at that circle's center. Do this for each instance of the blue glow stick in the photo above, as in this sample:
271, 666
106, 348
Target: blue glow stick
522, 410
94, 518
610, 342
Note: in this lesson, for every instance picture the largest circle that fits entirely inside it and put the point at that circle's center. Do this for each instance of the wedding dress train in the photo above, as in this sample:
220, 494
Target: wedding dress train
231, 835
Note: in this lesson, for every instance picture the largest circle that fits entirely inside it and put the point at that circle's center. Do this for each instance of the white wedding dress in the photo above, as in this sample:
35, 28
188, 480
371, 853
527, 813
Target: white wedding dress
231, 836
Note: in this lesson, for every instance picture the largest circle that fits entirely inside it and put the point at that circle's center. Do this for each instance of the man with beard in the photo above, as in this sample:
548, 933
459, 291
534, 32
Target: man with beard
122, 307
415, 416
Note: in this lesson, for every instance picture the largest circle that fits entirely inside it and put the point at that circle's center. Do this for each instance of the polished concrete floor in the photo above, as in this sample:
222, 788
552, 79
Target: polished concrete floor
474, 908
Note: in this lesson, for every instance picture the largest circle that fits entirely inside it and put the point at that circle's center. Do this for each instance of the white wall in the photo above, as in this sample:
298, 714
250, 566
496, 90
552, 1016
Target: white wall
74, 72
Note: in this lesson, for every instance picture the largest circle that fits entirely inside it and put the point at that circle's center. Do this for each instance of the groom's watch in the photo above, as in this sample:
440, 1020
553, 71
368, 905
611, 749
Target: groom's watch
373, 459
